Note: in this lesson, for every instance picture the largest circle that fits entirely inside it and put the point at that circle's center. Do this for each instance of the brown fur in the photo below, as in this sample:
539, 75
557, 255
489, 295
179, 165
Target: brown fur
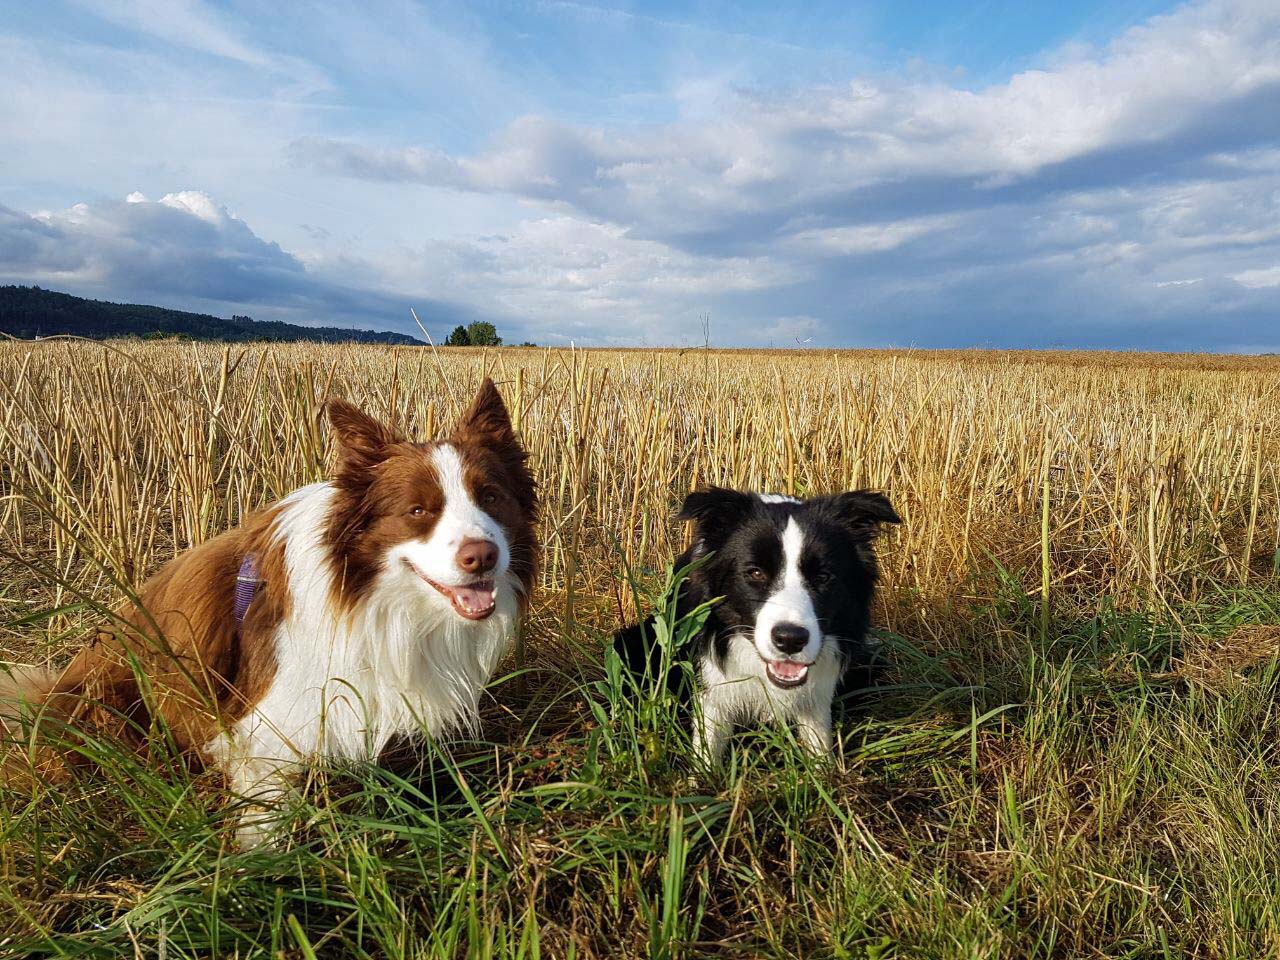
198, 669
498, 478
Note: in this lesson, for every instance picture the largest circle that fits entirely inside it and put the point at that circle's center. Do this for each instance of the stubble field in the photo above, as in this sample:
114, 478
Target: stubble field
1074, 752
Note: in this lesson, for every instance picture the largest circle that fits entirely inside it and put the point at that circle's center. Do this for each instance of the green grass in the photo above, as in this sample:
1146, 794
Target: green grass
1035, 786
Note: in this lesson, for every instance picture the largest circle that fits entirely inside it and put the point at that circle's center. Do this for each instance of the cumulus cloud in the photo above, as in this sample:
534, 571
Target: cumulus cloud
185, 244
187, 250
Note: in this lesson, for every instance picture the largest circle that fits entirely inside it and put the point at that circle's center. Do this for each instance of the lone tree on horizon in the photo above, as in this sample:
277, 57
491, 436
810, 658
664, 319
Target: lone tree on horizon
478, 333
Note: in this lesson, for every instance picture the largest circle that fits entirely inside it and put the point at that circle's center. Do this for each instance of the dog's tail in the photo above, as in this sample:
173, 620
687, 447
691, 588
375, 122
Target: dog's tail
24, 693
23, 689
37, 706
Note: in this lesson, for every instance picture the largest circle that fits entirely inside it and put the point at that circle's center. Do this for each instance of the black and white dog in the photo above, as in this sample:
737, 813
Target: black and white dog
795, 580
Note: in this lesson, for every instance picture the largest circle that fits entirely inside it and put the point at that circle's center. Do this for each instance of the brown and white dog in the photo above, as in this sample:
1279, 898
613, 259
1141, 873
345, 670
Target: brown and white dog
380, 604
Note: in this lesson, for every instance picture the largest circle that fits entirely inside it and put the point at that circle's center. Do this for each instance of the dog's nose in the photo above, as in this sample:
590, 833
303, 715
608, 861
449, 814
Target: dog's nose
789, 637
476, 556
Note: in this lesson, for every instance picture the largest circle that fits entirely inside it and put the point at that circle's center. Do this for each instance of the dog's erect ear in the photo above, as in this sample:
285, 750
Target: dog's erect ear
487, 421
488, 424
714, 512
862, 511
363, 441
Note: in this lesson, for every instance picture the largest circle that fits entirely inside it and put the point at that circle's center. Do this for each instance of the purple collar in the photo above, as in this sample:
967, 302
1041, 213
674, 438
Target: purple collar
247, 584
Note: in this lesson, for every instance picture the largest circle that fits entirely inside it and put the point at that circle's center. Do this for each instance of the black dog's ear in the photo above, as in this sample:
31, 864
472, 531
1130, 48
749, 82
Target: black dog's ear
713, 512
862, 511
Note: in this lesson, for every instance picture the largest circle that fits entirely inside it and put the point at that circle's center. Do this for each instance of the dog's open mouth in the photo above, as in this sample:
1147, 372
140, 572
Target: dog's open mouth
471, 601
474, 601
786, 673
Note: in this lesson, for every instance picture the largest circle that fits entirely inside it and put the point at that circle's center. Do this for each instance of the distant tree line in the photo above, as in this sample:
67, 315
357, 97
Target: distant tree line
28, 312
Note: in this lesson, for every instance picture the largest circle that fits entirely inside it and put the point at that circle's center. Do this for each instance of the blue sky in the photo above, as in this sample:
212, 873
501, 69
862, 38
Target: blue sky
837, 174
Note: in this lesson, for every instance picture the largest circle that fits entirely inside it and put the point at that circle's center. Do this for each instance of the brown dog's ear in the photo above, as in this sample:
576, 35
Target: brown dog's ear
487, 422
362, 441
862, 511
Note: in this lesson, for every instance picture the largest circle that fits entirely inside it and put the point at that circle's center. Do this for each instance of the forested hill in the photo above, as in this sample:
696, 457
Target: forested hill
28, 312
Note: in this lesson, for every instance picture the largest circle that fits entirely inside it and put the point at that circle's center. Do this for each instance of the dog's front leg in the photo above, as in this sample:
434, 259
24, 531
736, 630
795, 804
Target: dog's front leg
260, 766
814, 730
263, 784
712, 725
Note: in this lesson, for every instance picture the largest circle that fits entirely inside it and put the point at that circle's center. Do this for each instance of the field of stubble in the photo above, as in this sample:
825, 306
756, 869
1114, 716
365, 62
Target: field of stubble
1074, 752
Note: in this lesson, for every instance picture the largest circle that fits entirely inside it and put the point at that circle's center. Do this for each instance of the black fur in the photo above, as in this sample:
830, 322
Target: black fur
740, 531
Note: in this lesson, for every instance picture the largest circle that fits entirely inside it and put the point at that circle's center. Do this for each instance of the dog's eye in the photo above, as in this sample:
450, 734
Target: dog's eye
756, 575
490, 498
417, 511
820, 579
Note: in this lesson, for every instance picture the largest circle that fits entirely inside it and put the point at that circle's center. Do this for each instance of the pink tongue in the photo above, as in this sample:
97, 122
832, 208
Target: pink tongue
788, 669
477, 596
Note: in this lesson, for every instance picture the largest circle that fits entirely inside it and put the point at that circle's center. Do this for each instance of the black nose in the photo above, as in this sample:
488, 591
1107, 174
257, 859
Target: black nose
789, 637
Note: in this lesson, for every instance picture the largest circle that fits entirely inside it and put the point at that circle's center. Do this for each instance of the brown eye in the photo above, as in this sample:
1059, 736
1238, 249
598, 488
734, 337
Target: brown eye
489, 498
416, 511
756, 575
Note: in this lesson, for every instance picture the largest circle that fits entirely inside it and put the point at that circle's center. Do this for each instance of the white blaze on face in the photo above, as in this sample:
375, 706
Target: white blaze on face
460, 520
790, 603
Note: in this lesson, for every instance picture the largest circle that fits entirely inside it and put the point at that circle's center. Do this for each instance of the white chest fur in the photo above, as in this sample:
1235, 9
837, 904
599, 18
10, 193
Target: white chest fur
738, 691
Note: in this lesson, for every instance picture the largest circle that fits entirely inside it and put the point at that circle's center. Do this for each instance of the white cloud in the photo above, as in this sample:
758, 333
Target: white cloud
867, 238
184, 244
565, 278
194, 202
784, 156
1257, 279
194, 25
187, 23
